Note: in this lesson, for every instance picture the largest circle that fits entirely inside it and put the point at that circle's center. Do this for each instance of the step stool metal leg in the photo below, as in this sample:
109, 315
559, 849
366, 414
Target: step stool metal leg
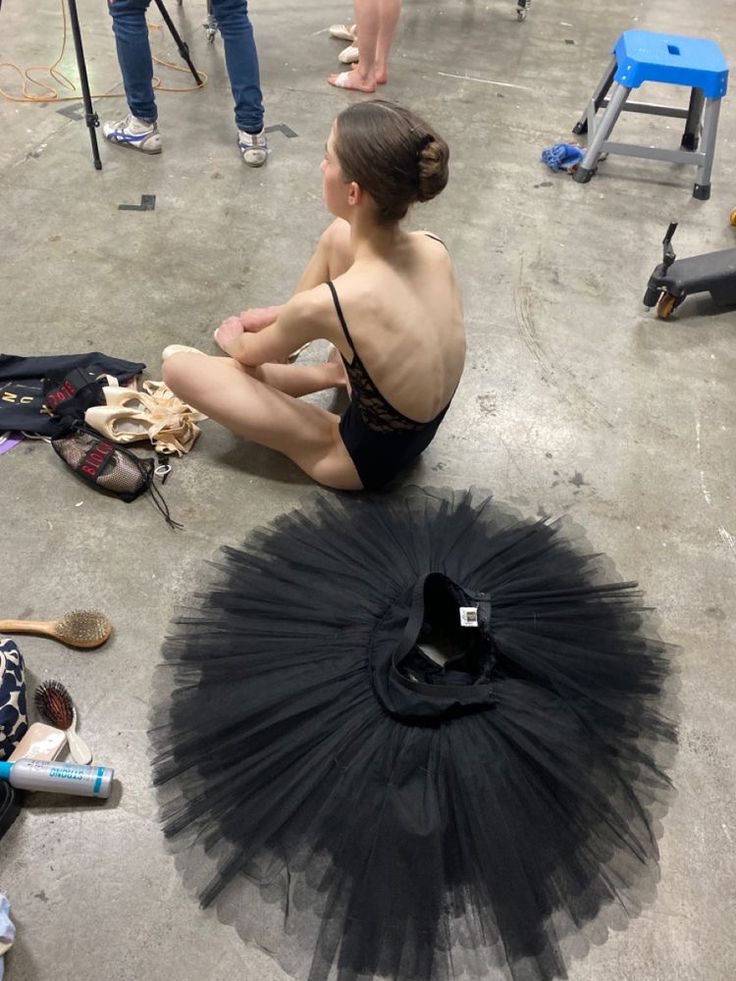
598, 96
691, 136
601, 132
701, 188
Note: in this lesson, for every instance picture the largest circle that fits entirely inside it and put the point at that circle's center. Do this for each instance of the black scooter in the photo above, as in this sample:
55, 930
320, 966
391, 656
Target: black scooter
674, 279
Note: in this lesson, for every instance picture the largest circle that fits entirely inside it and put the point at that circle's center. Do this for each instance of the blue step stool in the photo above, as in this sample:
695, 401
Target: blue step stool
641, 56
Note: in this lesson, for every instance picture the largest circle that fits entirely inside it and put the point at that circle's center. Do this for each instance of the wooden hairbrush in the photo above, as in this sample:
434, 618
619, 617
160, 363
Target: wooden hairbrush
80, 628
55, 704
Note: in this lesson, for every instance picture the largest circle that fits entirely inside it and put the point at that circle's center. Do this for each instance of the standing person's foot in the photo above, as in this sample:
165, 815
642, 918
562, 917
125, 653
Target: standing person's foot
352, 80
254, 147
134, 133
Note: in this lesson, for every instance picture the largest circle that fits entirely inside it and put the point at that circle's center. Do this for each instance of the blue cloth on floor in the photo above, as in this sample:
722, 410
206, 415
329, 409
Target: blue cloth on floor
562, 156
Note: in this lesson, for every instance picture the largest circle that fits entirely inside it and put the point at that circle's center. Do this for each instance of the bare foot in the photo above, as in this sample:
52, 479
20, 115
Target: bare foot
352, 80
228, 331
381, 76
256, 318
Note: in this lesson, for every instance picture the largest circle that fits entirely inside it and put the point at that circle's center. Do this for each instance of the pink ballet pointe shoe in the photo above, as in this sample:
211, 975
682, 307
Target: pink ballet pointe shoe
172, 349
154, 413
343, 32
349, 55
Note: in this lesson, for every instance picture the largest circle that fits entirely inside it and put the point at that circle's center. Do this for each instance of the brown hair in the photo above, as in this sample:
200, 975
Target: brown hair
395, 156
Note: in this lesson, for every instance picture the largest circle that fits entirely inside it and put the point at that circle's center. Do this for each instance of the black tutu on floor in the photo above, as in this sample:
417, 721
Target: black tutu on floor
417, 738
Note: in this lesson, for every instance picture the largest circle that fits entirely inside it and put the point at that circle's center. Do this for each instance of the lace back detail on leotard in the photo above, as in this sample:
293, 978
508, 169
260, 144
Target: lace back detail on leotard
377, 413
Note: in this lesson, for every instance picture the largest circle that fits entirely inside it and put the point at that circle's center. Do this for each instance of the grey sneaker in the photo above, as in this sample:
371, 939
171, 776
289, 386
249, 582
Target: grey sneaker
135, 133
254, 147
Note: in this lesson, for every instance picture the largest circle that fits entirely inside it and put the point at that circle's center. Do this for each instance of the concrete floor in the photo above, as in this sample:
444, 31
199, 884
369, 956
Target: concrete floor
575, 399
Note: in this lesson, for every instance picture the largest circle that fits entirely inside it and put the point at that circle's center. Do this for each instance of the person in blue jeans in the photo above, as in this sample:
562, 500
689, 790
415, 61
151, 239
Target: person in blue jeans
139, 129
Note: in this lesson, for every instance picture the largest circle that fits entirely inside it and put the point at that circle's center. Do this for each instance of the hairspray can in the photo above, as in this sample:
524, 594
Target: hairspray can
59, 778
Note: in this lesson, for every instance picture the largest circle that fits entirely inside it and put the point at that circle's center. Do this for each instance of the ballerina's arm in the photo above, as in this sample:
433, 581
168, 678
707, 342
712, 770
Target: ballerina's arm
306, 317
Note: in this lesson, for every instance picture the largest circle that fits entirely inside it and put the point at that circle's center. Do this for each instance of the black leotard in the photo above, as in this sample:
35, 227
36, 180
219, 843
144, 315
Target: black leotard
381, 440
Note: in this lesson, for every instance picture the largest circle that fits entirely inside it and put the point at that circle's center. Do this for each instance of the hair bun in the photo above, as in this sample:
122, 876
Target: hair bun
395, 156
432, 171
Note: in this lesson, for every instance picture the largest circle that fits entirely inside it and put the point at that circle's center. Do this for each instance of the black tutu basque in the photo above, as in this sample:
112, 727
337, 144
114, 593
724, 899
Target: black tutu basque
417, 738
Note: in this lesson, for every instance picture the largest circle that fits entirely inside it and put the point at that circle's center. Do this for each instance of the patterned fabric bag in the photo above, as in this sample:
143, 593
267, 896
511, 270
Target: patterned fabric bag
13, 714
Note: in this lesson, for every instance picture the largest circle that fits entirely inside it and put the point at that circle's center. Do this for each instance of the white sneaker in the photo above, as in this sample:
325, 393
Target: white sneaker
254, 147
135, 133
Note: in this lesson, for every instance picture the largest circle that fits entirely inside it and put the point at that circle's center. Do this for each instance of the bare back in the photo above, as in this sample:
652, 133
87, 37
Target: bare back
405, 319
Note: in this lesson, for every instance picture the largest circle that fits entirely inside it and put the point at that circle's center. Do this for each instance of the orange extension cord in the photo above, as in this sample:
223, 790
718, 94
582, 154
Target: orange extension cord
49, 94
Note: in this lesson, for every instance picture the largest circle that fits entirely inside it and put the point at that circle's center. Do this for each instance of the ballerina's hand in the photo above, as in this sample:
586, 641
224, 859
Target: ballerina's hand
256, 318
228, 332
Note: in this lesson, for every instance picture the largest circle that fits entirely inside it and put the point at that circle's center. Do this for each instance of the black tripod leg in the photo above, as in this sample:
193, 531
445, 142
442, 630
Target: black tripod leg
89, 113
691, 136
183, 48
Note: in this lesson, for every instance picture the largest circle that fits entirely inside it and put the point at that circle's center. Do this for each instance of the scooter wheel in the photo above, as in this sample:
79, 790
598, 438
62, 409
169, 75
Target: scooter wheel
667, 303
732, 217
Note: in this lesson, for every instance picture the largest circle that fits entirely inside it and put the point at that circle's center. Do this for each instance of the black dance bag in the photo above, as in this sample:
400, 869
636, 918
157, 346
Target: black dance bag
105, 465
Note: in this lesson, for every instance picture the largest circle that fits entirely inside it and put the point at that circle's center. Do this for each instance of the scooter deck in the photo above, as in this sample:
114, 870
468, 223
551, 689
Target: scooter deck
714, 273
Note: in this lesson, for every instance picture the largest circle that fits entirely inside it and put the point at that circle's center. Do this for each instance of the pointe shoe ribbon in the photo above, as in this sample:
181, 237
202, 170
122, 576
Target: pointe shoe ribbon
154, 413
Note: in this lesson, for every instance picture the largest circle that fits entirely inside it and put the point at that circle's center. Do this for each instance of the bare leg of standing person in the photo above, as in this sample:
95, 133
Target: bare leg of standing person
389, 18
363, 75
376, 21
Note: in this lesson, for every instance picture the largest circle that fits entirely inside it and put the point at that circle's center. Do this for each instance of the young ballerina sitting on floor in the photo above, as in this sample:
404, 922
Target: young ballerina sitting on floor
387, 300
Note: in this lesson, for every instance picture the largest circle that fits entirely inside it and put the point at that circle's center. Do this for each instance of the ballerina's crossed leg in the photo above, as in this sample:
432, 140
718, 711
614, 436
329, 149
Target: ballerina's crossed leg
262, 402
398, 292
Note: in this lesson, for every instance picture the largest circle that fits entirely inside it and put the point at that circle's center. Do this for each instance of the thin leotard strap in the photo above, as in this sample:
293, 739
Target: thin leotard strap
340, 315
430, 235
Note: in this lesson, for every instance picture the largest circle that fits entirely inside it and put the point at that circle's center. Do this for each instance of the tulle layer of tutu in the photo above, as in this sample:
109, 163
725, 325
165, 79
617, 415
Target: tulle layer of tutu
356, 842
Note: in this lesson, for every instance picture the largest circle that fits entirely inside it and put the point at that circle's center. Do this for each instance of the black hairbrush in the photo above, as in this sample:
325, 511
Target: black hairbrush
55, 704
